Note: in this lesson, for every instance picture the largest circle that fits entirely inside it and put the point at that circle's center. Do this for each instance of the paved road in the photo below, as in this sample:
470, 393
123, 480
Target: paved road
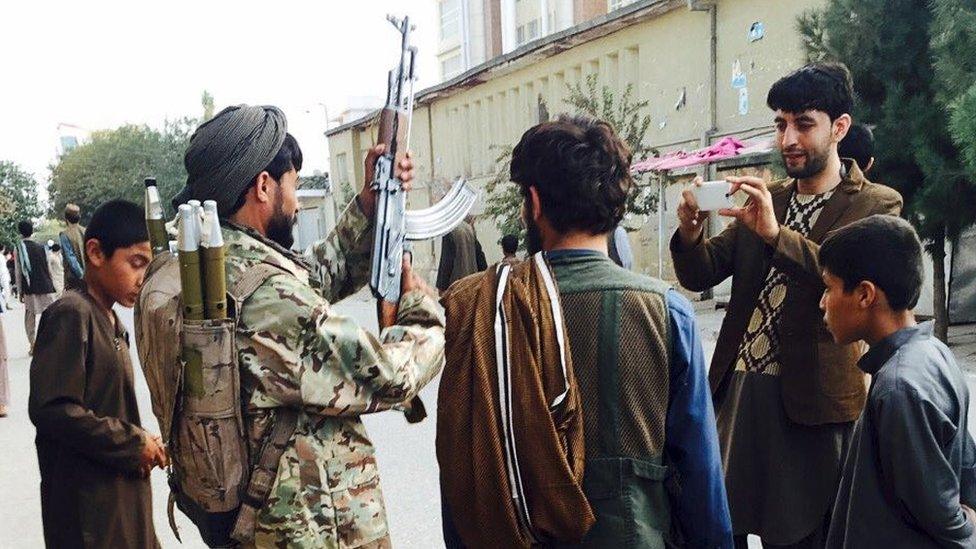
405, 453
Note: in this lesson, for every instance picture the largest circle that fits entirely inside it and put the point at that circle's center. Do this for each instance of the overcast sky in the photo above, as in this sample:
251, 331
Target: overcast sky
98, 64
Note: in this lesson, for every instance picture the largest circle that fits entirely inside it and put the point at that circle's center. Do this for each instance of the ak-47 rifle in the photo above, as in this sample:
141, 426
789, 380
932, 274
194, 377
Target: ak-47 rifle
394, 224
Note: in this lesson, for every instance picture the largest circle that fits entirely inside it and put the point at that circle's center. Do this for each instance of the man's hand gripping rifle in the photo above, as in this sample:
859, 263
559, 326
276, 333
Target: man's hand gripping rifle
395, 226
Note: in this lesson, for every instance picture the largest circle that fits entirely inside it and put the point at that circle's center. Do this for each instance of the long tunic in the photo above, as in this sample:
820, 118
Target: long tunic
461, 255
781, 476
83, 403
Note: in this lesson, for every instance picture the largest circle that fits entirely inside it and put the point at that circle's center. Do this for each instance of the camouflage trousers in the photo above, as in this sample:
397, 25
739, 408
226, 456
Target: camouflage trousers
383, 543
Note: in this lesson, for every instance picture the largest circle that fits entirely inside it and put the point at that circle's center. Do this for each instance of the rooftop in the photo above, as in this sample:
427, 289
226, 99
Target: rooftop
531, 52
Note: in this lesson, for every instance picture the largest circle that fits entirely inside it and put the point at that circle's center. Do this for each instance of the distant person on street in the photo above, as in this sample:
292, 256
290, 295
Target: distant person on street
858, 146
94, 456
72, 248
509, 248
909, 480
8, 258
461, 255
34, 282
56, 267
618, 247
4, 376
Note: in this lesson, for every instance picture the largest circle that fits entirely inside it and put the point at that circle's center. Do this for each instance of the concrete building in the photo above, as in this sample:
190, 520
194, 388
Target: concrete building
472, 32
705, 69
315, 217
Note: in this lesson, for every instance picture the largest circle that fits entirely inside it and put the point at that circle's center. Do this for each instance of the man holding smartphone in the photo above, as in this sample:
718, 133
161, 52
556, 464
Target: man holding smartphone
786, 395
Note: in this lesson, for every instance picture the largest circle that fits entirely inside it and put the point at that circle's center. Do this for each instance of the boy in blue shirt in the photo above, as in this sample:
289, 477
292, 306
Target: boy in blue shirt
909, 476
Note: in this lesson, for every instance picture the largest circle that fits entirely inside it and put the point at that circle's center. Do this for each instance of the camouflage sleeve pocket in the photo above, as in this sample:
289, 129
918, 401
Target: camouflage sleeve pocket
354, 486
212, 451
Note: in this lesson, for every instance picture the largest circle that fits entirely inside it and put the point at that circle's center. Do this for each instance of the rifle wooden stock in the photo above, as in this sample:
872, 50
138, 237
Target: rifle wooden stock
384, 134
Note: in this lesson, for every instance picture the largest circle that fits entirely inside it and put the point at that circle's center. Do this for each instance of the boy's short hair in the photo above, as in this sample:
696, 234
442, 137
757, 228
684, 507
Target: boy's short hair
858, 145
826, 87
581, 170
509, 244
882, 249
25, 228
117, 224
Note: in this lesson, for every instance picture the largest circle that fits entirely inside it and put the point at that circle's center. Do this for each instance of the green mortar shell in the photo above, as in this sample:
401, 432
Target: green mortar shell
158, 238
214, 282
191, 285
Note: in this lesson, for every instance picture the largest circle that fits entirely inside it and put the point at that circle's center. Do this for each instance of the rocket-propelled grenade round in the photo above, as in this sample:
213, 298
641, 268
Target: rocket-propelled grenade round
155, 224
188, 245
212, 254
198, 213
189, 257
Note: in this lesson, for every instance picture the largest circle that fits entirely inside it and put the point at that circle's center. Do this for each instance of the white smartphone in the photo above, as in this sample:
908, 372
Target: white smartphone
713, 195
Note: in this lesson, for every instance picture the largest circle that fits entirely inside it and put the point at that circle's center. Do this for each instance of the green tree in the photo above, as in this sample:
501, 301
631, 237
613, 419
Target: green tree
887, 45
207, 102
963, 128
629, 119
115, 163
18, 201
316, 181
954, 50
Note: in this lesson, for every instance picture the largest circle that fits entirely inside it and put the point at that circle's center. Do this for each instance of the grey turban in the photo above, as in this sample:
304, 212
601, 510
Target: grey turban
228, 151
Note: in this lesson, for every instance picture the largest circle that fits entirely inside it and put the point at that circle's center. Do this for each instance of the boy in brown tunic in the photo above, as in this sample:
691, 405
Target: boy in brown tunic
93, 455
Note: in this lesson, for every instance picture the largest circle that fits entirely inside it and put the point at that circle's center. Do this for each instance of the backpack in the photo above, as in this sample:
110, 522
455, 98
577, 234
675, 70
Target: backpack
212, 478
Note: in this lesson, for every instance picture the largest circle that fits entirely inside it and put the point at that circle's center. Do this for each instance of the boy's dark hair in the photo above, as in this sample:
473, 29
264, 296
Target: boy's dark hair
581, 170
858, 145
882, 249
117, 224
509, 244
825, 87
25, 228
289, 157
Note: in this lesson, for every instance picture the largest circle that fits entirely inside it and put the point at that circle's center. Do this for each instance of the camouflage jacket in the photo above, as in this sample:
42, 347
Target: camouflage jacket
294, 351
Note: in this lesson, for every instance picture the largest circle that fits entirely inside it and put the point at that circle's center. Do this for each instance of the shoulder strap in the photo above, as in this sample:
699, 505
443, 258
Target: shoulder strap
252, 279
285, 422
264, 473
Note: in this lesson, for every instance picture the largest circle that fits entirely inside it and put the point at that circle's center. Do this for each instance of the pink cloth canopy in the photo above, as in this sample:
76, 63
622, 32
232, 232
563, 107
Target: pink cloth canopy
728, 147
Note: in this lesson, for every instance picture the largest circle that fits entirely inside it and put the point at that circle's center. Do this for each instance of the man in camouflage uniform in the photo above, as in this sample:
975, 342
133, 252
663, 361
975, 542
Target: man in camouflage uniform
294, 350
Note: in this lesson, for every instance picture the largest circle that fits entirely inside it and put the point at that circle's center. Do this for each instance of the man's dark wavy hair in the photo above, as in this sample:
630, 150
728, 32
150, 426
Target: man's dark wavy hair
581, 170
825, 87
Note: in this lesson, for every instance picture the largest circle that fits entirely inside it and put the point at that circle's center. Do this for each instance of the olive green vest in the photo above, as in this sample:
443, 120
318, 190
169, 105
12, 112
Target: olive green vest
619, 333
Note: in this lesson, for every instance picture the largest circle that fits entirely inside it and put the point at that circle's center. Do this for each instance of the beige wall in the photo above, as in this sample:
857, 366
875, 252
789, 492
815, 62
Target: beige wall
663, 57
